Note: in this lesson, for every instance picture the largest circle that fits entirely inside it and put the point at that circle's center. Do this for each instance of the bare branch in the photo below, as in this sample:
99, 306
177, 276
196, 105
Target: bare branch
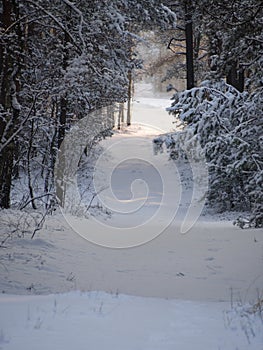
35, 198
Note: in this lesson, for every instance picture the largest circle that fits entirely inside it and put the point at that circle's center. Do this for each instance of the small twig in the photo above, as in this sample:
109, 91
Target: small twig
7, 237
3, 241
40, 224
94, 196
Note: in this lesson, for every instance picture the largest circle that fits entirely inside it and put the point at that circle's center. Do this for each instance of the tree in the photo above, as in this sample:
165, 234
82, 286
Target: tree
189, 45
234, 30
61, 60
188, 41
11, 51
224, 119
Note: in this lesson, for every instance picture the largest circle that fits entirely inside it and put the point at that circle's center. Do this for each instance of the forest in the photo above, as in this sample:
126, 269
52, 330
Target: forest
131, 174
62, 60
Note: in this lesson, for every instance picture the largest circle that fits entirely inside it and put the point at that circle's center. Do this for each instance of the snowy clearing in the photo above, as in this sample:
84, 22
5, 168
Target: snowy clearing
213, 262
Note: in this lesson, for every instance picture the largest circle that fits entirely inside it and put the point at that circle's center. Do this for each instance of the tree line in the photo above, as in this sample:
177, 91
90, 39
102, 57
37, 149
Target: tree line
60, 60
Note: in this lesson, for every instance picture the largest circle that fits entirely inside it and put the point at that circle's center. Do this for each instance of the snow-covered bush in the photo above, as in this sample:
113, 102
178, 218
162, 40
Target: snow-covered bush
229, 127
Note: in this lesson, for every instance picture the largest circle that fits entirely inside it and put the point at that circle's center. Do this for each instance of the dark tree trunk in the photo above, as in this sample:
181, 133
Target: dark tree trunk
9, 71
29, 174
236, 77
120, 115
189, 45
62, 120
129, 98
5, 64
6, 167
64, 100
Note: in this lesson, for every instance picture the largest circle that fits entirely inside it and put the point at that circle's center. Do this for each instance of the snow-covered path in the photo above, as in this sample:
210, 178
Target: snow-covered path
204, 272
212, 261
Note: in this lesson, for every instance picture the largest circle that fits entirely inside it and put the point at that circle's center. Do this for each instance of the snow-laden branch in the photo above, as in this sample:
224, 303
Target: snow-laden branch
80, 14
170, 13
8, 29
228, 124
248, 64
55, 19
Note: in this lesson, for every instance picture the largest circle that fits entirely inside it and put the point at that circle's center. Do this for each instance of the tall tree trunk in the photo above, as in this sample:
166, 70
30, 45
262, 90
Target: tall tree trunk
60, 183
5, 59
64, 99
120, 115
49, 176
129, 98
29, 173
9, 71
189, 45
62, 120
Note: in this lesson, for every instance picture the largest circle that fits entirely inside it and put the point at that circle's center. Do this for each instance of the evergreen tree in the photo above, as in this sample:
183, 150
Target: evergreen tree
224, 119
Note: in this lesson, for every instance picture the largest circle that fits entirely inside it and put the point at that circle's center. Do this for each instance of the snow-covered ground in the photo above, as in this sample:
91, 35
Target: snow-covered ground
169, 290
103, 321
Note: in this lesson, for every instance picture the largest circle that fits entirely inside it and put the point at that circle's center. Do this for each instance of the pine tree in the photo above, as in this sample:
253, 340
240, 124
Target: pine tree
226, 120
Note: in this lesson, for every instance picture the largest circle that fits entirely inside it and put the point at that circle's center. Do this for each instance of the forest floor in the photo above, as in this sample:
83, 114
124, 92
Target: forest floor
165, 290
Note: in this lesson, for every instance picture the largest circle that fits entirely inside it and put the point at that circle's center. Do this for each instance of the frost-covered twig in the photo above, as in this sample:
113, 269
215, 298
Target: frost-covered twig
40, 224
94, 196
80, 14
